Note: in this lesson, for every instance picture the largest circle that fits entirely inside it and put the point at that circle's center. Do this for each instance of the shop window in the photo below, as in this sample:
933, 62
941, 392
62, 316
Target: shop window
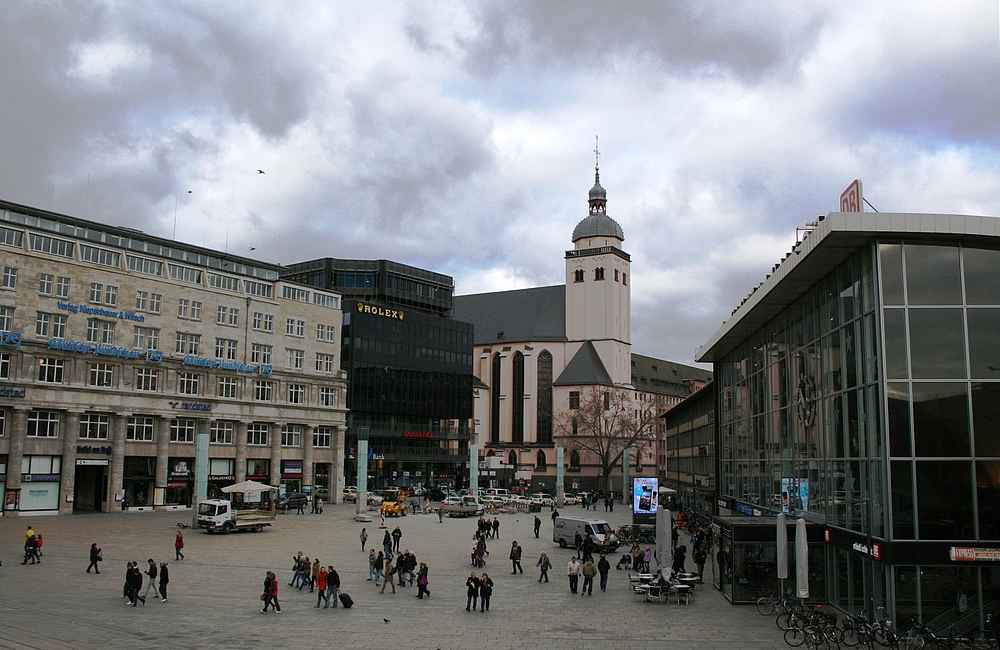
139, 429
258, 467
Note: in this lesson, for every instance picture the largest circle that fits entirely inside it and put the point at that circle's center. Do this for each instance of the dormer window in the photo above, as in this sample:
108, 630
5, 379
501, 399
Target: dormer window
599, 273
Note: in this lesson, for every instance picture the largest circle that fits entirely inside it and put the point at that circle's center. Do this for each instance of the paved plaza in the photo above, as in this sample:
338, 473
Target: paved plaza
213, 593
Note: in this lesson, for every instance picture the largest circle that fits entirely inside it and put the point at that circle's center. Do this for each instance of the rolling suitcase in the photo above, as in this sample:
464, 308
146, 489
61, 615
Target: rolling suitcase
346, 600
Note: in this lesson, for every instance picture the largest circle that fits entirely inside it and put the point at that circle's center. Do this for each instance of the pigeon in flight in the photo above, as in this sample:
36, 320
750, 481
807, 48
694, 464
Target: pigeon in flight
260, 171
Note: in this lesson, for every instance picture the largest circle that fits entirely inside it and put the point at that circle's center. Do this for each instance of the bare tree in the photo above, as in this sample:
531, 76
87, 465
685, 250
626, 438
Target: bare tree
609, 421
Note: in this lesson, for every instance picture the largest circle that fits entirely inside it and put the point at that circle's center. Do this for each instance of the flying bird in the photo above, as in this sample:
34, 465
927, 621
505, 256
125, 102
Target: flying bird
260, 171
253, 248
386, 620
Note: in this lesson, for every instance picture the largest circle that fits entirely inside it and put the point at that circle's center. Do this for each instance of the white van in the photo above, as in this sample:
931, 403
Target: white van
564, 531
503, 493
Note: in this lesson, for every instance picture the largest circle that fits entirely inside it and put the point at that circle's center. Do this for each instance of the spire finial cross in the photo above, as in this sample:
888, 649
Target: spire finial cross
597, 154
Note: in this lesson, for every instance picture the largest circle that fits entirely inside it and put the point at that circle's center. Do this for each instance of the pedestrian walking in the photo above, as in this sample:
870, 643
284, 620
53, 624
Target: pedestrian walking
127, 587
699, 557
371, 564
422, 581
321, 585
589, 571
179, 546
538, 526
485, 593
164, 579
578, 544
604, 567
31, 550
647, 559
471, 592
95, 557
387, 544
151, 583
496, 528
316, 566
397, 535
515, 558
573, 571
390, 571
315, 507
271, 593
135, 584
379, 566
544, 564
296, 570
364, 538
679, 556
332, 585
38, 546
441, 514
29, 535
555, 513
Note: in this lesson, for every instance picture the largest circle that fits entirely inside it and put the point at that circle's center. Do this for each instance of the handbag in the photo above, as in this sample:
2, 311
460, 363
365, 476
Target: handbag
263, 597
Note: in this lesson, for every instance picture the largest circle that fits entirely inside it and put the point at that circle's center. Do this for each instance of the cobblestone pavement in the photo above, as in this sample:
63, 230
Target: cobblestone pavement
213, 593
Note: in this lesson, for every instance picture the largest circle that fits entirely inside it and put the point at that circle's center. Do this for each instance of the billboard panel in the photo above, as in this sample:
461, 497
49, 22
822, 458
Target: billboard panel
645, 494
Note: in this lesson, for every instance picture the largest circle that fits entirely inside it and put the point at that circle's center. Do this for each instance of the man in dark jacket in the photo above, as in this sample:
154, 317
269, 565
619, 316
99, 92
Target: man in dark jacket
151, 572
538, 526
603, 567
515, 558
332, 585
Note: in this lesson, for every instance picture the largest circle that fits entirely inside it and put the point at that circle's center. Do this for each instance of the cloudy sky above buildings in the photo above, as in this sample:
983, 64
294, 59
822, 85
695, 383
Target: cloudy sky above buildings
459, 136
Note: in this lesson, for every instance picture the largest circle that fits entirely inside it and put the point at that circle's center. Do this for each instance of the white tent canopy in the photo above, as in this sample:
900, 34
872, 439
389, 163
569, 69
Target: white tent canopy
249, 486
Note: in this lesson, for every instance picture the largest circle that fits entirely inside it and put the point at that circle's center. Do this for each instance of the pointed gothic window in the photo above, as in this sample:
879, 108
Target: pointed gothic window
544, 403
512, 458
495, 400
578, 275
599, 273
540, 462
517, 399
574, 460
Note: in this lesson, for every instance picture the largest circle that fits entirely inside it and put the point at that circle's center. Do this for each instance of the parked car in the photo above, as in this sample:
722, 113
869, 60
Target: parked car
541, 498
520, 500
291, 501
439, 494
570, 500
350, 493
462, 506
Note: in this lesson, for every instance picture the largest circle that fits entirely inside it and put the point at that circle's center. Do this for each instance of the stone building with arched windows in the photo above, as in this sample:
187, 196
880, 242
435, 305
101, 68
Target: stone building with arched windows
538, 351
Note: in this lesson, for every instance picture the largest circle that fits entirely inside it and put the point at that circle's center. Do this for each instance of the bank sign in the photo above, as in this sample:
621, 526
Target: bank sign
264, 369
98, 311
79, 347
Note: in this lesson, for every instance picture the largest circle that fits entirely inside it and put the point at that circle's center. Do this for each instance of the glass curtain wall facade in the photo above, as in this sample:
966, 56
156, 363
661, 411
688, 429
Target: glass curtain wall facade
872, 405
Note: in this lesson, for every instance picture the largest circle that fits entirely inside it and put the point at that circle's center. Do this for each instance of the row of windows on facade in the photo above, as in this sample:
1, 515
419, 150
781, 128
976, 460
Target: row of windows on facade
51, 370
141, 428
106, 294
541, 462
579, 275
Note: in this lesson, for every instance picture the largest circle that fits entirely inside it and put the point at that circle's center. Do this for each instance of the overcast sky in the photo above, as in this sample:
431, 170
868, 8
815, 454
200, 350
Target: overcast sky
459, 136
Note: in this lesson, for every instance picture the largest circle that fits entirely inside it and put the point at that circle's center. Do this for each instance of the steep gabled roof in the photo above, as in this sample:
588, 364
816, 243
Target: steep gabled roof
584, 369
523, 315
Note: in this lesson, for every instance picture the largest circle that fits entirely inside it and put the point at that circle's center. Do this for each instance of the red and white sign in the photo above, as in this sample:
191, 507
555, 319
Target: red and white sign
852, 198
967, 554
876, 551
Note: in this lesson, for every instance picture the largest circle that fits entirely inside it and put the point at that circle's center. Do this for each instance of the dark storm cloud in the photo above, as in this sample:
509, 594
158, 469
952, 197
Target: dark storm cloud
747, 40
214, 63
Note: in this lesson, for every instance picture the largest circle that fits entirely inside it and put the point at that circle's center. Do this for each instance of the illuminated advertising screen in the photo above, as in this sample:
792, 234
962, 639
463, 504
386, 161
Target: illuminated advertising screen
794, 494
645, 493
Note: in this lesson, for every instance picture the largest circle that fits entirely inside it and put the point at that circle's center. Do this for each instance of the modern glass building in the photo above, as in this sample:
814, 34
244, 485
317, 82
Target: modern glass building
859, 388
409, 370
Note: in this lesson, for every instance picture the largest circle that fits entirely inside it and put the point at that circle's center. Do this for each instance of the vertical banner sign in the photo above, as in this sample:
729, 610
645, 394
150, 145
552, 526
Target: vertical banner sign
852, 198
473, 469
560, 475
782, 548
801, 559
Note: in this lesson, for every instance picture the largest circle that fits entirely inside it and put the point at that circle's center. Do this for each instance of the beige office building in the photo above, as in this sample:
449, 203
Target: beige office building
118, 347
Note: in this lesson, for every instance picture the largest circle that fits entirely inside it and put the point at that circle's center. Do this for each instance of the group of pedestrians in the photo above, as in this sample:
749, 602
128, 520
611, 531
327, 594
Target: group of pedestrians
324, 581
478, 588
158, 578
479, 550
490, 528
32, 547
